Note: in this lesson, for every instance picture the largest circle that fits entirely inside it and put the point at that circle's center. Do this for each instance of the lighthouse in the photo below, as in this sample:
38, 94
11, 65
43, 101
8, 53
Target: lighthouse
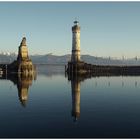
75, 57
75, 65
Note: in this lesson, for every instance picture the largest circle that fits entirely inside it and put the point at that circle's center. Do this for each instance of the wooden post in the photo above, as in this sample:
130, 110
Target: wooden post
6, 70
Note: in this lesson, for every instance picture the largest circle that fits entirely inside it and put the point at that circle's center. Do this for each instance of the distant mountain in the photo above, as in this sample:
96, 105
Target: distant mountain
7, 58
53, 59
50, 59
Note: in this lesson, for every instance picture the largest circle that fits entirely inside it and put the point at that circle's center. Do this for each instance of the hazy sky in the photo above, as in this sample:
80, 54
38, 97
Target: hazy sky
107, 28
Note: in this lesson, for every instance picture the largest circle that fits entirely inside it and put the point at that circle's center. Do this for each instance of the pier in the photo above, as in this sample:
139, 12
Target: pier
84, 68
76, 65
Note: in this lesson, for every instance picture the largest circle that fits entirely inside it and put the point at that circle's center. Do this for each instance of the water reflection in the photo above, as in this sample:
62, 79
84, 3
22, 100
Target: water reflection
76, 83
50, 70
23, 83
75, 89
75, 86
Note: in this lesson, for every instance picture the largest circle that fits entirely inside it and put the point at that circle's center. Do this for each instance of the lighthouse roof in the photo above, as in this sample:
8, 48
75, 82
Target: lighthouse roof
76, 22
76, 26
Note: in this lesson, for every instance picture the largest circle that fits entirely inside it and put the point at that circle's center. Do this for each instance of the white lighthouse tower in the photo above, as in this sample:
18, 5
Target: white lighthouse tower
75, 42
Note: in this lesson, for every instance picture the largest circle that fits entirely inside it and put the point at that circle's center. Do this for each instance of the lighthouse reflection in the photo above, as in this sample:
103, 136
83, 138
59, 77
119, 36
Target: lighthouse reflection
76, 80
75, 86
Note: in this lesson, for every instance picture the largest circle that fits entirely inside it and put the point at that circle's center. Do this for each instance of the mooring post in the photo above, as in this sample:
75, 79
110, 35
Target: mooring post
68, 67
72, 70
6, 70
65, 68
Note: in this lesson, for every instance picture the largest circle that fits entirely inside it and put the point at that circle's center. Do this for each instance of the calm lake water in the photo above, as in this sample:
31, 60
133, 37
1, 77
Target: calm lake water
51, 106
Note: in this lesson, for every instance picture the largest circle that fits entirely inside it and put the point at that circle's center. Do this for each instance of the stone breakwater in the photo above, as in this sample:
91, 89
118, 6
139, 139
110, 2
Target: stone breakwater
84, 68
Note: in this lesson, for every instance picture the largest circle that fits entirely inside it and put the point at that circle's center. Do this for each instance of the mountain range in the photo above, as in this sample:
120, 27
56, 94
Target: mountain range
62, 60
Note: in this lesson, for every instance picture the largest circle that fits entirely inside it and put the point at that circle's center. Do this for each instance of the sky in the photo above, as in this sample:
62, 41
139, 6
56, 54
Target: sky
107, 28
